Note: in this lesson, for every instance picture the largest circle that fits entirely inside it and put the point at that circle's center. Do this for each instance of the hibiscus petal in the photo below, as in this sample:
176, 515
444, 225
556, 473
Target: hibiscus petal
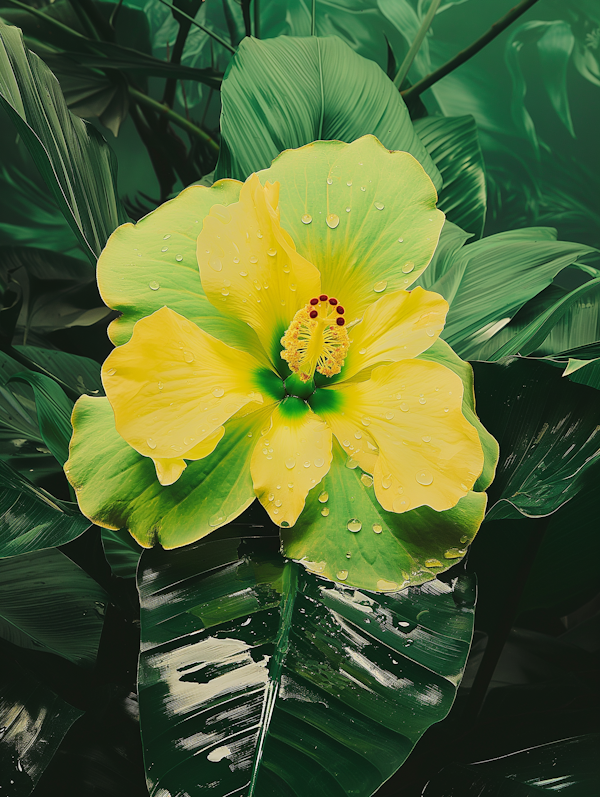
365, 216
169, 470
292, 457
172, 386
250, 268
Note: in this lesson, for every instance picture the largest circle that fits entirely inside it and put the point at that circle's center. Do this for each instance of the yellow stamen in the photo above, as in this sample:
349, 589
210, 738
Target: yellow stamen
316, 343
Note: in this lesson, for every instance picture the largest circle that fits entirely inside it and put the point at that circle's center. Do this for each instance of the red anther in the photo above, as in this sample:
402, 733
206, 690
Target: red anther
339, 309
314, 301
333, 301
313, 314
340, 321
323, 297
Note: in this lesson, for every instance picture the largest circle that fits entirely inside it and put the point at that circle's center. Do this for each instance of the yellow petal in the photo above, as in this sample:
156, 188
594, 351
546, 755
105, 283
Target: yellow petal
169, 470
429, 454
249, 266
172, 386
290, 459
398, 326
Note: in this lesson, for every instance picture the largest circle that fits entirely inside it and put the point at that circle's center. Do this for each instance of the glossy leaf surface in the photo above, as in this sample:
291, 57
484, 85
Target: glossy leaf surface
122, 552
31, 519
548, 432
258, 678
48, 603
80, 374
33, 723
568, 767
291, 91
453, 144
73, 158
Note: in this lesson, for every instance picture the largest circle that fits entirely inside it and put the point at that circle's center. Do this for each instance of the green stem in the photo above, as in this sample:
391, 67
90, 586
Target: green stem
313, 19
86, 23
469, 52
256, 4
178, 120
210, 33
416, 45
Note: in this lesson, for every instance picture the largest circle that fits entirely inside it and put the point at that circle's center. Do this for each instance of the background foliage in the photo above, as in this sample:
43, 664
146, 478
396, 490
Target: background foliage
253, 671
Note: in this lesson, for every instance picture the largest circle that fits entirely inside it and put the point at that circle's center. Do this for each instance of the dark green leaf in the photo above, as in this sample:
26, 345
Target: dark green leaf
53, 412
122, 552
33, 723
73, 158
31, 519
453, 144
20, 434
548, 432
48, 603
287, 92
255, 671
568, 766
79, 374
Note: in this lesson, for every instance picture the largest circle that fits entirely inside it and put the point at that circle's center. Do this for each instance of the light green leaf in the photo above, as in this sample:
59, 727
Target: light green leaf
286, 92
48, 603
31, 519
72, 157
453, 144
258, 678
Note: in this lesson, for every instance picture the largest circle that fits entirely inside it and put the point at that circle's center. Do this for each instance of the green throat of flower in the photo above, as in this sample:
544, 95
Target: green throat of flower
317, 339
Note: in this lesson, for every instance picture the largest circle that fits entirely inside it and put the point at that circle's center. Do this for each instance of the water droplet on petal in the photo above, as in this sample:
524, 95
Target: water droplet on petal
426, 438
379, 205
408, 267
111, 372
225, 292
319, 462
366, 479
306, 219
236, 260
342, 575
254, 259
218, 392
154, 286
354, 525
243, 273
290, 463
278, 503
432, 563
271, 252
386, 481
424, 477
151, 443
389, 416
215, 264
404, 406
307, 464
358, 435
365, 420
160, 385
188, 356
324, 497
179, 258
430, 332
270, 496
332, 221
422, 400
348, 210
379, 287
325, 511
377, 528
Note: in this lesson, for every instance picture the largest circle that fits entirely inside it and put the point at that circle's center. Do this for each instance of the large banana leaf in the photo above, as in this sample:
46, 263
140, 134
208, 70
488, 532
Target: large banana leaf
257, 678
31, 519
286, 92
72, 156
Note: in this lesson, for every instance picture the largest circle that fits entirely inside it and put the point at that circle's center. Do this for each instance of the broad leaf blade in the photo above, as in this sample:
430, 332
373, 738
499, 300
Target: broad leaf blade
287, 92
31, 519
256, 677
72, 157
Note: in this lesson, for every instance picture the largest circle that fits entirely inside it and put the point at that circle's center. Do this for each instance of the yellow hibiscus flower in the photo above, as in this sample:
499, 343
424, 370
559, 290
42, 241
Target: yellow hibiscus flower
269, 348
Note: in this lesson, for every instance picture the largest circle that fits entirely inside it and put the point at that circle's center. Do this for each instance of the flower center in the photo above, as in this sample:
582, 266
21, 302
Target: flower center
317, 339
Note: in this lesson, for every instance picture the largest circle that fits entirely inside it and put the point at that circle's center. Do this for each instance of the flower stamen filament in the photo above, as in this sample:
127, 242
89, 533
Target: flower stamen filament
317, 339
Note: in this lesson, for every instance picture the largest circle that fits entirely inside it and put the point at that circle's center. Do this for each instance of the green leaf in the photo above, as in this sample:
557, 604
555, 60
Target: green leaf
73, 158
453, 144
79, 374
19, 430
256, 677
555, 48
548, 432
291, 91
567, 766
122, 552
48, 603
31, 519
53, 412
33, 723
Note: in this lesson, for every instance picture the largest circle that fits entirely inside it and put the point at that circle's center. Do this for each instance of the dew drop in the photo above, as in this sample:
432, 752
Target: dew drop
111, 372
351, 464
342, 575
400, 505
271, 252
254, 259
332, 221
224, 292
291, 485
365, 420
179, 258
218, 392
377, 528
307, 464
151, 443
306, 219
358, 435
453, 553
422, 400
408, 267
154, 286
379, 287
389, 416
319, 462
349, 183
329, 181
278, 503
362, 188
243, 273
215, 264
426, 438
379, 205
188, 356
400, 240
404, 406
354, 525
166, 237
236, 260
432, 563
325, 511
165, 249
348, 555
270, 496
160, 385
430, 332
386, 481
366, 479
324, 497
259, 234
424, 478
292, 286
290, 463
